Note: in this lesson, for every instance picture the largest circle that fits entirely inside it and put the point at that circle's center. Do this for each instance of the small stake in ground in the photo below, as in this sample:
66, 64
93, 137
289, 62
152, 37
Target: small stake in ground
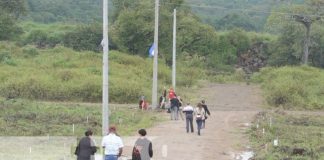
276, 142
73, 129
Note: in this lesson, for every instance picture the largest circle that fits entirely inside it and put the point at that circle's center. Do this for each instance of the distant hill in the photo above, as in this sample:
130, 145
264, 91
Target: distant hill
250, 15
48, 11
228, 14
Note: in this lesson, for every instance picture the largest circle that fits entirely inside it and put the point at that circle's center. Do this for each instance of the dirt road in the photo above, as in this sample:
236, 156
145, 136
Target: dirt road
232, 109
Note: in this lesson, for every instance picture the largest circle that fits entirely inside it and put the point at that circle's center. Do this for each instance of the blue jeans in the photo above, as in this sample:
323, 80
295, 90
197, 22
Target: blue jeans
174, 113
199, 124
111, 157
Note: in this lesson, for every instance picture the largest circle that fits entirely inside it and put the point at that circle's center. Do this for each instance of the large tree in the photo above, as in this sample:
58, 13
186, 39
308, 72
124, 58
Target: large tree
312, 11
133, 29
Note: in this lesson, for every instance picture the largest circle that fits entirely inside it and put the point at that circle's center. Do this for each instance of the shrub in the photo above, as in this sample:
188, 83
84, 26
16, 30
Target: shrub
293, 87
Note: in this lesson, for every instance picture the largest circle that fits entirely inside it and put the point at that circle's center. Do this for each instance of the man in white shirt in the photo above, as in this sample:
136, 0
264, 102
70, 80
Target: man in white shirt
189, 111
112, 144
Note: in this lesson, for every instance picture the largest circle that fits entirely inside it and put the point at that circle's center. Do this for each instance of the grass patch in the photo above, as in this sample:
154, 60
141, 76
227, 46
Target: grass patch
27, 118
300, 136
62, 74
293, 87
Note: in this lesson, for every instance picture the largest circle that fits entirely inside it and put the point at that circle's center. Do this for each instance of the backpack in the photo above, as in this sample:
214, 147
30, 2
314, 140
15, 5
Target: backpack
136, 155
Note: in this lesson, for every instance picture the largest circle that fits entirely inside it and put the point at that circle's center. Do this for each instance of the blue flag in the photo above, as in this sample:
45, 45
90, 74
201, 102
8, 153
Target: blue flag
151, 50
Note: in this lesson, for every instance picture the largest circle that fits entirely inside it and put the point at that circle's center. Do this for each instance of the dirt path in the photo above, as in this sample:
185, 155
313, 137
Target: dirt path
232, 108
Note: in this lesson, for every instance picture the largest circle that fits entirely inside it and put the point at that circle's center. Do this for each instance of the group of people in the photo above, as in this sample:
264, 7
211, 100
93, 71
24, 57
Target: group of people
142, 150
200, 114
113, 146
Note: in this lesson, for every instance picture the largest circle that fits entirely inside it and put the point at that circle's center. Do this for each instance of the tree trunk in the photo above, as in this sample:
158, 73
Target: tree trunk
306, 45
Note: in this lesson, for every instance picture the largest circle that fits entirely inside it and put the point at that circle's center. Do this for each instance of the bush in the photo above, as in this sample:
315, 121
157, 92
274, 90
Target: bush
84, 38
293, 87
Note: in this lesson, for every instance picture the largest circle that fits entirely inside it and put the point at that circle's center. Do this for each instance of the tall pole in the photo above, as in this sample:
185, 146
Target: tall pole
156, 52
174, 49
105, 100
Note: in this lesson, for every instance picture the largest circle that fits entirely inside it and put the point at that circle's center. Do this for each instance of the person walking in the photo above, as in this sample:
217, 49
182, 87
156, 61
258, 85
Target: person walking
180, 107
112, 144
142, 149
206, 112
189, 111
200, 116
86, 147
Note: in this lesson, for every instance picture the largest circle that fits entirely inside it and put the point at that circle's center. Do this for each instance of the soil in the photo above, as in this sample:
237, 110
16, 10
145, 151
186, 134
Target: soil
232, 107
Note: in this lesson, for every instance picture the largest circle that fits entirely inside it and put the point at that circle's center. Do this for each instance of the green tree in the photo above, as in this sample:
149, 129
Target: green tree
86, 37
15, 8
287, 49
10, 11
306, 14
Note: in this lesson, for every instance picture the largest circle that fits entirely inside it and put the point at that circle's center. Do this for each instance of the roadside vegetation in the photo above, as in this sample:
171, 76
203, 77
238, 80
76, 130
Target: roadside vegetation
297, 136
29, 118
62, 74
292, 88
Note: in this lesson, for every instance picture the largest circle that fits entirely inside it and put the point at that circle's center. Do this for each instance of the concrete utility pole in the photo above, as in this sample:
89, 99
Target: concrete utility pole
156, 52
174, 49
105, 93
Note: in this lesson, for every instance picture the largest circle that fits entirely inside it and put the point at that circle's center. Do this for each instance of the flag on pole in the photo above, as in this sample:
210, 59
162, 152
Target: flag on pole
151, 50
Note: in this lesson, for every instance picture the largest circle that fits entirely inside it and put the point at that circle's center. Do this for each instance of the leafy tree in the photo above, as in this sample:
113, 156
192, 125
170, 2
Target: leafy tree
287, 49
135, 24
15, 8
86, 37
317, 48
306, 14
8, 27
10, 11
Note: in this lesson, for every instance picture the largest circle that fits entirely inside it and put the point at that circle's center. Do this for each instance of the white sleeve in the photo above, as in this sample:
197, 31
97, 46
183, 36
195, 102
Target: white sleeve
120, 143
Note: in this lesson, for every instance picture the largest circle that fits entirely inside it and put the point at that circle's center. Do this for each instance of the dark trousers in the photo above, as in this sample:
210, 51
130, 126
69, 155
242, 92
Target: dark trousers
189, 123
199, 124
203, 123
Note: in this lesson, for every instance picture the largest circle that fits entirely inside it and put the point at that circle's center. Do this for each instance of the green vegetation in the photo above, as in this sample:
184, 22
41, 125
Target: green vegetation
299, 136
49, 11
293, 87
10, 12
27, 118
61, 74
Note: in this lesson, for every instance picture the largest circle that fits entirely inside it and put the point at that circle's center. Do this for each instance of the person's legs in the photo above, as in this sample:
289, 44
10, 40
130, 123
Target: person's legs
191, 124
203, 124
173, 113
187, 123
111, 157
176, 113
199, 123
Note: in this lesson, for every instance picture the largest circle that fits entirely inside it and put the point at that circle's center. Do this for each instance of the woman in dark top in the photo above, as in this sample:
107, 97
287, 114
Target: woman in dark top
143, 147
206, 112
86, 147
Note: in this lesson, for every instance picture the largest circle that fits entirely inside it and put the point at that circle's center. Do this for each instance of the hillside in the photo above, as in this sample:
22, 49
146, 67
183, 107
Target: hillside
61, 74
224, 14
